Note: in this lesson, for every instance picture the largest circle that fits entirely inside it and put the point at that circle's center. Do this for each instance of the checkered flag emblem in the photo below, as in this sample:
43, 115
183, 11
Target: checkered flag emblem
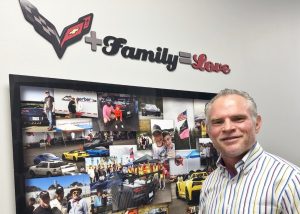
71, 34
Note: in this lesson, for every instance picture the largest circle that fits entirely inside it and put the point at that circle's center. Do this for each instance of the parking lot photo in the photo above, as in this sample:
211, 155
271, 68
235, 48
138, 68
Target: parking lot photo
60, 153
117, 112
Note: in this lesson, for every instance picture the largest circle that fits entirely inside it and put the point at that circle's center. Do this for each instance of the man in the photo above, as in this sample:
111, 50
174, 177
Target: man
49, 109
59, 204
72, 108
30, 207
78, 205
44, 207
247, 179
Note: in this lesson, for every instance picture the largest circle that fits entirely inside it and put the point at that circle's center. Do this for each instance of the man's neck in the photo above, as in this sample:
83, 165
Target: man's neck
44, 205
229, 163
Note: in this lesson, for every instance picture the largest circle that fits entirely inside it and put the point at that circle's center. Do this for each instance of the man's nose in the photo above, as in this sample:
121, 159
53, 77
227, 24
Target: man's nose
228, 125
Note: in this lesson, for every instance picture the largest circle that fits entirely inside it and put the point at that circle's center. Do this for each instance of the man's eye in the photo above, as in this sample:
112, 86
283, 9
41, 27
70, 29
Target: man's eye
238, 119
217, 122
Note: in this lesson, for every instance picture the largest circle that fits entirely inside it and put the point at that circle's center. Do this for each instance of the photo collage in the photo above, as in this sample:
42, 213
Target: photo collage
102, 152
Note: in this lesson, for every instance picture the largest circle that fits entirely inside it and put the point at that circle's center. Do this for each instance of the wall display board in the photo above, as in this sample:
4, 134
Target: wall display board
107, 148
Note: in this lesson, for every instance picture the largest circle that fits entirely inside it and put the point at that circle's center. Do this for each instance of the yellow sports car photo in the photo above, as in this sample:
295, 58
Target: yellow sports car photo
188, 187
75, 155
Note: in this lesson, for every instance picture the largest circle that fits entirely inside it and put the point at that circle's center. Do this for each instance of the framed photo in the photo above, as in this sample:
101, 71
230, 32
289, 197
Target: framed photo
110, 147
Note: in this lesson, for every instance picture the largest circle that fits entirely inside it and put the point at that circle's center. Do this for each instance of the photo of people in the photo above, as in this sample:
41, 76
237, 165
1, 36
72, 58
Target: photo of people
162, 134
118, 112
37, 109
63, 194
144, 141
199, 118
75, 104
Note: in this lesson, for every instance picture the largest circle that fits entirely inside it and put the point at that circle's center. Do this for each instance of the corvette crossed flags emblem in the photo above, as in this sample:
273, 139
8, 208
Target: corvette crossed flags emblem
70, 34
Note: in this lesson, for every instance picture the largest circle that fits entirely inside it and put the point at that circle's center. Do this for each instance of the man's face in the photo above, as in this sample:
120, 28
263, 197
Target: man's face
45, 201
75, 194
158, 138
60, 195
46, 94
231, 126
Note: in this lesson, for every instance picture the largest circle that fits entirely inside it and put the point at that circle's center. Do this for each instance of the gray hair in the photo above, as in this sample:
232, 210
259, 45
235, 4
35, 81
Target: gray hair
226, 92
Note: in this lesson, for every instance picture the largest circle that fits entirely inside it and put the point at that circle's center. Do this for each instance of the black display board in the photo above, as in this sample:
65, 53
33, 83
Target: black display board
99, 138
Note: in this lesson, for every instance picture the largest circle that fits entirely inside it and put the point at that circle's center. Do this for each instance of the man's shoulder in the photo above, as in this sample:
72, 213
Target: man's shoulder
282, 163
54, 202
41, 210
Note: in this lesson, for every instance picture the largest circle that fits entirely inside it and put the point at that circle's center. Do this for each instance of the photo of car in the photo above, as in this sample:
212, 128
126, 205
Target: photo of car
132, 194
52, 168
75, 155
157, 211
33, 114
99, 151
151, 109
45, 157
96, 143
189, 187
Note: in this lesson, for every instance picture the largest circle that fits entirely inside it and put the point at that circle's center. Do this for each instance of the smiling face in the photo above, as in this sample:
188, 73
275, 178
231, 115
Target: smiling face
168, 140
76, 194
158, 139
231, 126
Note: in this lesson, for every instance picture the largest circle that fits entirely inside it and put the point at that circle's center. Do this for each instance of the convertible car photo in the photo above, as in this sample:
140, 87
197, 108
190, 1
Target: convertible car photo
189, 187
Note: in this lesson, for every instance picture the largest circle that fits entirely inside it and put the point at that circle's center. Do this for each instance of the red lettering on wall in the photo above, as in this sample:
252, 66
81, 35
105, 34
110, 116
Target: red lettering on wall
202, 64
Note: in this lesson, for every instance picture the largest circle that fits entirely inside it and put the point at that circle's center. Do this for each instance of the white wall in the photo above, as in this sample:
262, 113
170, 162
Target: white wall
258, 39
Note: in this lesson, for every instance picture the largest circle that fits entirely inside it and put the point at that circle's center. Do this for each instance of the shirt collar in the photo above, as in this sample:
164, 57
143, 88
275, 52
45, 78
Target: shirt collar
247, 162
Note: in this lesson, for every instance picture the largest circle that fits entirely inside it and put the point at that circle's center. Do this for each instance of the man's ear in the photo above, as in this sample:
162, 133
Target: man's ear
258, 123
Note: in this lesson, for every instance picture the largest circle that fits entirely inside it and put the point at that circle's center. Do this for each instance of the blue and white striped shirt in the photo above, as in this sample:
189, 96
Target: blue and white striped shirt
264, 184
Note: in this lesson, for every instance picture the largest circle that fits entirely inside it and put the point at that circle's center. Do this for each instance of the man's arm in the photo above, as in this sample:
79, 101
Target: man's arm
85, 206
290, 202
104, 112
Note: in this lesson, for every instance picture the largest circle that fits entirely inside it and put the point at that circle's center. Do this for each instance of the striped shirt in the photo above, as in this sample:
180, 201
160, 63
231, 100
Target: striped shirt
264, 184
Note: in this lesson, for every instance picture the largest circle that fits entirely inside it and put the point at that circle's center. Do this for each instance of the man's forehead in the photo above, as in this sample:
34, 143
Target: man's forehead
230, 101
230, 106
